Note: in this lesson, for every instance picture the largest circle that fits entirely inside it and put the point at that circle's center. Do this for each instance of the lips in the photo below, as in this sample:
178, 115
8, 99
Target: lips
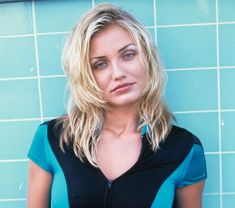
121, 85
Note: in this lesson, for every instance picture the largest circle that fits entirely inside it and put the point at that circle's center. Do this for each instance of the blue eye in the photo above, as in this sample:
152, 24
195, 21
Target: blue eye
129, 55
100, 65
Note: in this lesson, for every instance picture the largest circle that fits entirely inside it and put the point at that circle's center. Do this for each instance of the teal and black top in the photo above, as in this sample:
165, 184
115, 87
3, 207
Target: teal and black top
150, 182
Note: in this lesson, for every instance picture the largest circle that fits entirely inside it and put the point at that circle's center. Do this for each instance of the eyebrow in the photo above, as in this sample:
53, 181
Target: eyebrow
123, 48
120, 50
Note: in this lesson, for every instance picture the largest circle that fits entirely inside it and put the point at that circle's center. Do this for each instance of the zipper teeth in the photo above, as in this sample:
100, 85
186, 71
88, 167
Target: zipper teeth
109, 184
106, 196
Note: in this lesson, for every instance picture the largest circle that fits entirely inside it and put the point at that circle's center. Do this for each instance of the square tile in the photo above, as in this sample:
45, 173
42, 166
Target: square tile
228, 172
209, 201
54, 99
227, 44
185, 12
186, 47
152, 34
50, 54
227, 131
16, 18
143, 11
17, 57
228, 200
13, 204
227, 88
16, 137
204, 126
55, 16
13, 180
189, 90
226, 11
212, 184
19, 99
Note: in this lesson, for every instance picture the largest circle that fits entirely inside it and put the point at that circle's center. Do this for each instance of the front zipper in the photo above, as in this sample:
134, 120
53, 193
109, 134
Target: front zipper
107, 196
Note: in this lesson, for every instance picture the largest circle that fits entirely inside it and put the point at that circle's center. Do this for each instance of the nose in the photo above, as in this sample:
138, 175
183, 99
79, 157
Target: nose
118, 71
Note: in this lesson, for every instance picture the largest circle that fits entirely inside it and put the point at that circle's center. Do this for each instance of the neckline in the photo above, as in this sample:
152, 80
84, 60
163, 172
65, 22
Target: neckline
142, 150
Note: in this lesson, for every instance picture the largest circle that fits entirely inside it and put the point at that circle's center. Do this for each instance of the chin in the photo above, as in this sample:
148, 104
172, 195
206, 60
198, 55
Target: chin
124, 102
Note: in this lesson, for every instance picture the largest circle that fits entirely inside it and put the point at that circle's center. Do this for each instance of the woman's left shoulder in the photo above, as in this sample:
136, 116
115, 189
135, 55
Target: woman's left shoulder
179, 142
181, 135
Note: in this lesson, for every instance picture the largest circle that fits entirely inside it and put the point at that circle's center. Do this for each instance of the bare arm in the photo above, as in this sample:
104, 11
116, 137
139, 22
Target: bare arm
190, 196
39, 187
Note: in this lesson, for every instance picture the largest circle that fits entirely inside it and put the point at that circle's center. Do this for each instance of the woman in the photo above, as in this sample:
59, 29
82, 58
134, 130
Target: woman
117, 146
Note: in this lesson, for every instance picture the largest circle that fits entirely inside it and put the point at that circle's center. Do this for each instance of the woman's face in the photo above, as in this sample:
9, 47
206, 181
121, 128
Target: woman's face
117, 66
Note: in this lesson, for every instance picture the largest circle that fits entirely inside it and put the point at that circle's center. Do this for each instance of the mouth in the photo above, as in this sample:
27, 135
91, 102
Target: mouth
121, 86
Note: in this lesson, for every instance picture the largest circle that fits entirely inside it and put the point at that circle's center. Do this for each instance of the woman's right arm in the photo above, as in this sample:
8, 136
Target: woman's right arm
39, 187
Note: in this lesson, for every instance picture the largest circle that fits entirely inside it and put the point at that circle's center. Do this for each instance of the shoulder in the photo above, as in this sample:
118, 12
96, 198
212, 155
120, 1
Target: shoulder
40, 152
42, 132
178, 135
43, 126
50, 123
179, 143
54, 126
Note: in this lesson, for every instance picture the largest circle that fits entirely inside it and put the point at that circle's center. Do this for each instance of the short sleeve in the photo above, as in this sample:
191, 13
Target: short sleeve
39, 149
195, 167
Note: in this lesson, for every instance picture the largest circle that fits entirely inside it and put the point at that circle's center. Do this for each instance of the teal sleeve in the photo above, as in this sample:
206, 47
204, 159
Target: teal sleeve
195, 168
39, 149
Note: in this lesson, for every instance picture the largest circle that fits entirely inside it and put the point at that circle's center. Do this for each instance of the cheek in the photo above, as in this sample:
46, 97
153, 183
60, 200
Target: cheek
141, 73
101, 80
142, 76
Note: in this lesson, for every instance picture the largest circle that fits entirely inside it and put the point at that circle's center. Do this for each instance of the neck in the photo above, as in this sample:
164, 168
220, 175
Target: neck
121, 120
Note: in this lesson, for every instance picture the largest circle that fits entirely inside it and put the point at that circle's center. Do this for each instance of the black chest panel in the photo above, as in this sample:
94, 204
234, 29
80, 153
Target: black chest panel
88, 187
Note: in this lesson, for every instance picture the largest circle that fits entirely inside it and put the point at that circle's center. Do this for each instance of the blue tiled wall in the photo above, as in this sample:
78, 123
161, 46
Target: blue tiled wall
196, 39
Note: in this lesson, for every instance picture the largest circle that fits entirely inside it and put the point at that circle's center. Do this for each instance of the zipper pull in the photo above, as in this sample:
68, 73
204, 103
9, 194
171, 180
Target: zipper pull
109, 184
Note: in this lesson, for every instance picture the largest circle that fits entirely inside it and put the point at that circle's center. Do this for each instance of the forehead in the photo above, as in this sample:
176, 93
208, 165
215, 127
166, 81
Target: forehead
112, 38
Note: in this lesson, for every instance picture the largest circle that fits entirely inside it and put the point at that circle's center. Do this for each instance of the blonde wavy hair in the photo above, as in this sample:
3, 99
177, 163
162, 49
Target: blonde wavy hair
83, 123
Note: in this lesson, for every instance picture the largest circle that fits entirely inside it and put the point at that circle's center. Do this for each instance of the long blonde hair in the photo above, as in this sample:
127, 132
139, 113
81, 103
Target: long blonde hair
83, 123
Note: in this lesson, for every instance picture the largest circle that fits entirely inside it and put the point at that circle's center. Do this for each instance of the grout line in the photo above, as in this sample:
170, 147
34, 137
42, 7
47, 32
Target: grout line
32, 34
24, 199
168, 70
228, 152
176, 112
13, 199
155, 20
37, 59
217, 193
222, 153
219, 105
228, 193
19, 120
211, 153
33, 77
195, 111
227, 67
196, 24
191, 69
26, 160
226, 23
187, 25
53, 76
93, 4
150, 27
18, 78
14, 160
26, 119
16, 36
200, 68
210, 194
53, 33
227, 110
